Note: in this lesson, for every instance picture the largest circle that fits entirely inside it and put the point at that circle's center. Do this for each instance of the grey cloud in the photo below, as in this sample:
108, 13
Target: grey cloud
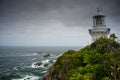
37, 18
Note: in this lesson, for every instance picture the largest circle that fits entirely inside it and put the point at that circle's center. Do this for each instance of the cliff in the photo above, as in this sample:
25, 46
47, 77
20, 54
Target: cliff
98, 61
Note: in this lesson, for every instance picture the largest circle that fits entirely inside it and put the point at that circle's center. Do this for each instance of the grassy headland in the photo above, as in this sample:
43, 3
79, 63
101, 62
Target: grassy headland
98, 61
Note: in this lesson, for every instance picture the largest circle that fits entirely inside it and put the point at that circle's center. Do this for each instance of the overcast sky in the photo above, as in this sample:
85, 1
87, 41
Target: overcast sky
53, 22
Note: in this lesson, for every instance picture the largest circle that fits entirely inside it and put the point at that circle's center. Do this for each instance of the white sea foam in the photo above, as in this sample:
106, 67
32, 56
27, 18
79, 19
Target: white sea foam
28, 77
46, 61
53, 60
22, 63
33, 59
59, 55
15, 68
43, 63
29, 54
44, 71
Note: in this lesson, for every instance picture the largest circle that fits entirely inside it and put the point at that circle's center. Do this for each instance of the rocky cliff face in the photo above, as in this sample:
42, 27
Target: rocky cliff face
98, 61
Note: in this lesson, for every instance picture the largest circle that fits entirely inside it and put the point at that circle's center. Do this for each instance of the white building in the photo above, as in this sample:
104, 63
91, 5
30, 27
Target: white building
99, 28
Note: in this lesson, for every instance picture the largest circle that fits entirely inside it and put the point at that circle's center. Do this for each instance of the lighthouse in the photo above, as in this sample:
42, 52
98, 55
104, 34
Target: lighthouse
99, 28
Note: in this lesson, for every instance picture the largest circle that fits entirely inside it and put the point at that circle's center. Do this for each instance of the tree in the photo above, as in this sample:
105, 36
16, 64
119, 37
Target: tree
113, 36
98, 61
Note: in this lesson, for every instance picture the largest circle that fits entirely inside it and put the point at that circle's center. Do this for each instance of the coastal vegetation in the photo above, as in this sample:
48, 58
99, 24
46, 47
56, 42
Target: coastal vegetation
97, 61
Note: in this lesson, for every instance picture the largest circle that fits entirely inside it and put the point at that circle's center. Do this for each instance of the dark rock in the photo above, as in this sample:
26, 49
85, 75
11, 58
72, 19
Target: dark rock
47, 55
38, 63
46, 65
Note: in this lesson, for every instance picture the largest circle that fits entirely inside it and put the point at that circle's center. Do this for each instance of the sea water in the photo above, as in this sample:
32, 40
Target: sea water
18, 63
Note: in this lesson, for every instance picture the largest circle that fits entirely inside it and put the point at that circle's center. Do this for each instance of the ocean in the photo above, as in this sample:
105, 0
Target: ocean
28, 63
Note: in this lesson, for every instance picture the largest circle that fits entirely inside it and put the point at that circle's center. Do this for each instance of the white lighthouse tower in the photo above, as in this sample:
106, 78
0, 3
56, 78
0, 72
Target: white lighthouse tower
99, 28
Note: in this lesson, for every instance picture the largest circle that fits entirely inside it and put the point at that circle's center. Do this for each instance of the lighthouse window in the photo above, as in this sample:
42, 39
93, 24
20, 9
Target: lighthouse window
98, 21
